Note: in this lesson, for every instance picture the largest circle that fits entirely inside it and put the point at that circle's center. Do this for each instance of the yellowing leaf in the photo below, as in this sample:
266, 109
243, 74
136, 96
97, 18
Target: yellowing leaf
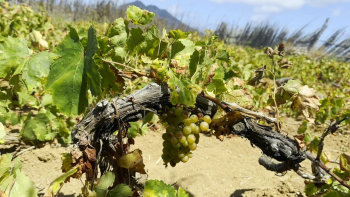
133, 161
344, 161
305, 100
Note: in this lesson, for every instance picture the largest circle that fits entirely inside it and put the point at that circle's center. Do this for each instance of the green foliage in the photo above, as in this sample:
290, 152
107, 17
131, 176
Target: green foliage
139, 16
159, 188
56, 184
47, 81
106, 181
12, 181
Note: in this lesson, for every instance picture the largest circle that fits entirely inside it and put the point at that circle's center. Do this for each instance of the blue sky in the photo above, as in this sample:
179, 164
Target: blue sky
292, 14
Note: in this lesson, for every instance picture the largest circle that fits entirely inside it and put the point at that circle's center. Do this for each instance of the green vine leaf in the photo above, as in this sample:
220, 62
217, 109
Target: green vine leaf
14, 52
12, 181
91, 69
139, 16
178, 34
66, 80
182, 91
159, 188
56, 184
152, 45
223, 56
118, 35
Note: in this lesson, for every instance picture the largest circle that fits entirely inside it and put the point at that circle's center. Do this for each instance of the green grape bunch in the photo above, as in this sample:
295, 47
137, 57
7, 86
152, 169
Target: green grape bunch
182, 134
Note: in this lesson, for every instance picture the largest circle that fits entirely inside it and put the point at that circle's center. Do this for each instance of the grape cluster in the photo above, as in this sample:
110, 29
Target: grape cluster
182, 134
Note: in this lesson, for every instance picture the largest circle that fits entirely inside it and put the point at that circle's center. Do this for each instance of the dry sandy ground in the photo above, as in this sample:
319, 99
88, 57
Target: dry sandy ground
228, 168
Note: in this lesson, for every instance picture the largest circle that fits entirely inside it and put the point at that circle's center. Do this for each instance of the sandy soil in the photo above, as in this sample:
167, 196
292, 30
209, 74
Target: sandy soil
228, 168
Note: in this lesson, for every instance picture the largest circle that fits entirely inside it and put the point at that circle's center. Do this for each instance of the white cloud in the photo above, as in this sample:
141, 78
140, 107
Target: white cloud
337, 11
286, 4
264, 8
267, 9
258, 18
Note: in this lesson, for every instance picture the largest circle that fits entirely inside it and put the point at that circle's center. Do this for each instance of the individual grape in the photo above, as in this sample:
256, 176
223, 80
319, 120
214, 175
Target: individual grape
166, 158
182, 139
166, 150
177, 145
165, 136
200, 116
207, 119
178, 111
197, 138
184, 114
185, 149
181, 155
171, 129
192, 146
179, 134
167, 144
191, 139
174, 151
172, 156
170, 113
189, 154
172, 163
185, 143
194, 128
194, 118
185, 159
164, 116
204, 126
174, 140
187, 130
187, 121
177, 160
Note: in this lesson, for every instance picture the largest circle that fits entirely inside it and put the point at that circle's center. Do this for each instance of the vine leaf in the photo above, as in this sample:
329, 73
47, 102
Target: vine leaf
137, 128
12, 181
182, 47
181, 91
242, 97
106, 181
216, 84
37, 68
36, 128
13, 53
223, 56
66, 80
91, 69
133, 161
120, 190
67, 161
152, 45
305, 99
56, 184
178, 34
344, 161
159, 188
118, 35
139, 16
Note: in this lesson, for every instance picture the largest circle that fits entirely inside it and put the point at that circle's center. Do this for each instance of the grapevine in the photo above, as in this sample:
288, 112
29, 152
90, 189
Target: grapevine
98, 88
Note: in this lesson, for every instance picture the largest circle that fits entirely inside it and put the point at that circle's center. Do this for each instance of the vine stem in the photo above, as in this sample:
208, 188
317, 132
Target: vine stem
274, 94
